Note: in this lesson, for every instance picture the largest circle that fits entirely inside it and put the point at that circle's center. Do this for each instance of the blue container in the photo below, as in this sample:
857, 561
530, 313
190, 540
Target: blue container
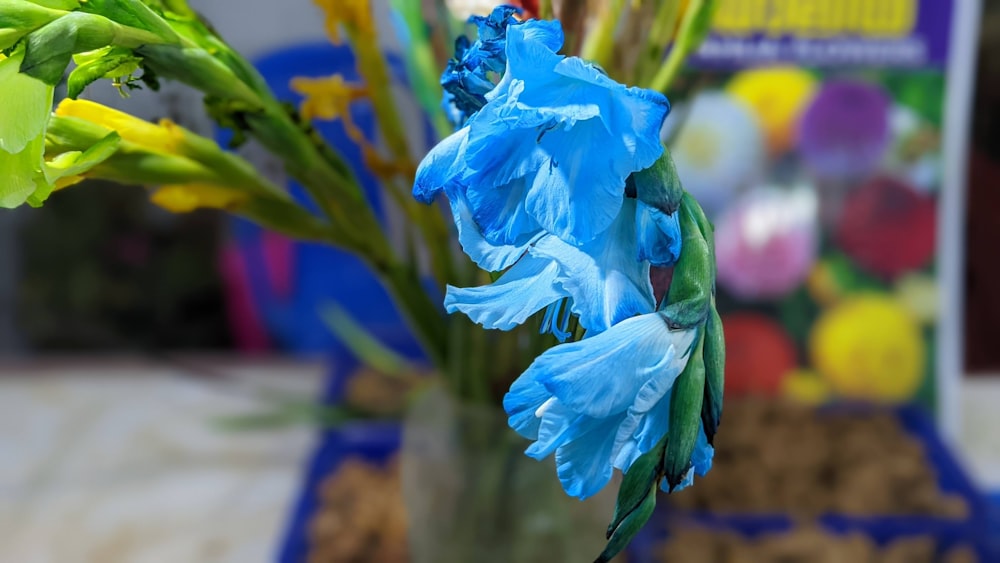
372, 441
972, 531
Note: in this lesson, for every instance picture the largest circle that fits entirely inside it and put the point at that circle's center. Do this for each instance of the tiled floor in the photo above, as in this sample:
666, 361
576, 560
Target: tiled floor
128, 463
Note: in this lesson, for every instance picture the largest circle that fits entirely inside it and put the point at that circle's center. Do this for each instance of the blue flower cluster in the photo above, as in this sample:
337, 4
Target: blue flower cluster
558, 179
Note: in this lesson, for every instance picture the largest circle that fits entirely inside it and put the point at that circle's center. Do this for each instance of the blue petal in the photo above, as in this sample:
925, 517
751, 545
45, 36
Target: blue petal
526, 288
703, 454
491, 257
603, 277
531, 51
500, 213
701, 463
442, 166
583, 464
525, 397
659, 236
577, 191
547, 33
559, 425
602, 375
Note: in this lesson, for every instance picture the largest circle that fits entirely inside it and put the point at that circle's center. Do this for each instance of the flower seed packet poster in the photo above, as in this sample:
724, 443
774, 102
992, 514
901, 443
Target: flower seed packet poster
820, 137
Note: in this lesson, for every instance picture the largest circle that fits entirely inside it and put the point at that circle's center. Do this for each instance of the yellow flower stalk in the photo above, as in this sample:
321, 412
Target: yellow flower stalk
188, 197
355, 17
869, 347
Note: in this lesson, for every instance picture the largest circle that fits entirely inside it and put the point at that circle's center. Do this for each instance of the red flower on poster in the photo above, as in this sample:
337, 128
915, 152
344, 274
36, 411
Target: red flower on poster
887, 227
759, 354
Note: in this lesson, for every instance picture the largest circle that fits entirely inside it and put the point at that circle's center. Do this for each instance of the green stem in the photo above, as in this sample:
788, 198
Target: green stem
545, 11
682, 48
599, 45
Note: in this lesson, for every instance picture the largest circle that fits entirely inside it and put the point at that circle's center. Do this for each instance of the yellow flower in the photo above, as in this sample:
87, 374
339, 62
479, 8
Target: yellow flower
918, 293
329, 97
777, 96
188, 197
354, 15
165, 137
806, 387
869, 347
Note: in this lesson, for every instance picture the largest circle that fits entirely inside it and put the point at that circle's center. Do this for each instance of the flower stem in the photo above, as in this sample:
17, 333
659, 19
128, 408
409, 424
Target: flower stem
683, 45
600, 44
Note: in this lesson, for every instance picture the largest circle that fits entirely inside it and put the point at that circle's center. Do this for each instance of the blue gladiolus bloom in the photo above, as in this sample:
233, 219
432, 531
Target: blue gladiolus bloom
599, 403
536, 181
552, 147
606, 280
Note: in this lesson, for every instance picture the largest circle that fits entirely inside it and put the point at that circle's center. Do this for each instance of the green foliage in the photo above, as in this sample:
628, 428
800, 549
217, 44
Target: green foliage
686, 399
110, 62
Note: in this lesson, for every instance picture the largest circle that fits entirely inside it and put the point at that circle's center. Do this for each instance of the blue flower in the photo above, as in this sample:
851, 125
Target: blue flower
470, 74
603, 282
599, 403
552, 147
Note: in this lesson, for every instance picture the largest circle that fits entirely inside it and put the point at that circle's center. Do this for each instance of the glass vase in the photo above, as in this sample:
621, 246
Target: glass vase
472, 495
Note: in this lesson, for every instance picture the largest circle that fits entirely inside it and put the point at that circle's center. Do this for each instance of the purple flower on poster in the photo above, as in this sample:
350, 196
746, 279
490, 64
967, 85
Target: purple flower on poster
845, 132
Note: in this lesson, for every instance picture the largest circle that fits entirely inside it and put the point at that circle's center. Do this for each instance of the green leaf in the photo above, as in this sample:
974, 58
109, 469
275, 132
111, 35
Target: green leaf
76, 162
657, 186
199, 69
20, 17
686, 399
361, 343
20, 175
132, 13
629, 526
66, 5
50, 49
113, 62
644, 473
700, 25
705, 226
693, 282
25, 104
715, 368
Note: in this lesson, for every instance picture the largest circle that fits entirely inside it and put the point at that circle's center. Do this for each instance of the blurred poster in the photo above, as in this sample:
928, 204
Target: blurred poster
815, 137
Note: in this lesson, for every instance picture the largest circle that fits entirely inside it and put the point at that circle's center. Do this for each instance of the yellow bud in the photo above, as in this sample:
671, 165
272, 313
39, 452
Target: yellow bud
165, 137
184, 198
